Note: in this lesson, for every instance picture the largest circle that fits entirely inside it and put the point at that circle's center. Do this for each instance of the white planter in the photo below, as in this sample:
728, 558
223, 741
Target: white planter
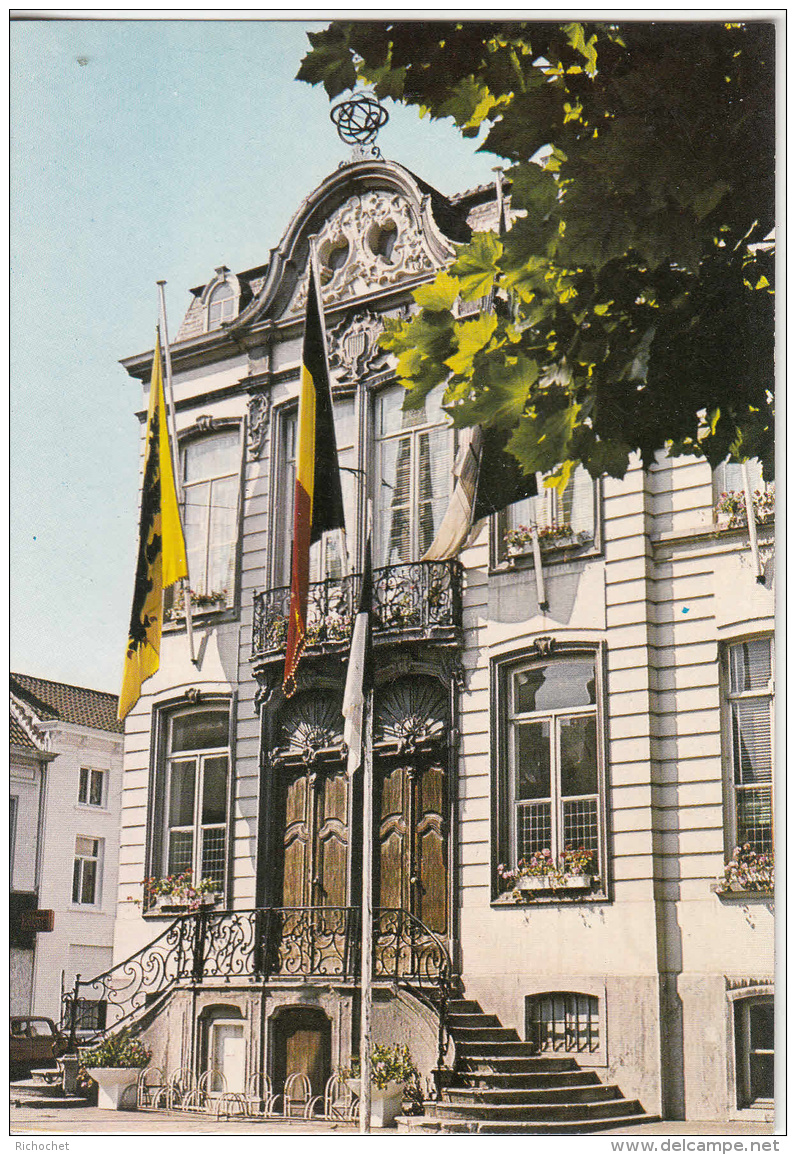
530, 884
112, 1083
384, 1105
167, 904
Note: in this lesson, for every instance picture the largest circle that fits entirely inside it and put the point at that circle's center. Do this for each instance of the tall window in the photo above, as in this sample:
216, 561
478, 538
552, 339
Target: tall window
549, 786
754, 1051
86, 871
413, 472
196, 795
91, 788
13, 803
565, 519
750, 704
326, 556
211, 478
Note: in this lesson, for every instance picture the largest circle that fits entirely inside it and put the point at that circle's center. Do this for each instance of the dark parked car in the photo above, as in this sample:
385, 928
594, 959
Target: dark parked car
35, 1042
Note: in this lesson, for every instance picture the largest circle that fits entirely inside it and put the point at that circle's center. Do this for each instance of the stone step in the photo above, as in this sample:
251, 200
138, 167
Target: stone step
524, 1080
464, 1035
464, 1007
590, 1093
35, 1088
424, 1124
473, 1020
532, 1112
501, 1062
501, 1049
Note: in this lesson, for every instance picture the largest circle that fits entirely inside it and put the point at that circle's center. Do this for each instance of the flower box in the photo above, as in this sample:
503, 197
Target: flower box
529, 884
173, 904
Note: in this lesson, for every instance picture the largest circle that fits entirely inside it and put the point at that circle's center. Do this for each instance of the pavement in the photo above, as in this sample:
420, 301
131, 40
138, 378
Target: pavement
93, 1120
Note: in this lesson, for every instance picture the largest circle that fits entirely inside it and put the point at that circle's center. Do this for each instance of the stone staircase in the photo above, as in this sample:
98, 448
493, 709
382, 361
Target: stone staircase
501, 1085
41, 1090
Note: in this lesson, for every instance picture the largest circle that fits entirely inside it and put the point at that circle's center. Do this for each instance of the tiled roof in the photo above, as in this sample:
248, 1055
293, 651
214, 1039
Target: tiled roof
83, 707
18, 735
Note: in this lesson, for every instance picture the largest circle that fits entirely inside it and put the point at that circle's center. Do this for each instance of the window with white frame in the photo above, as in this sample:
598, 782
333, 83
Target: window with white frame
750, 705
754, 1051
564, 520
413, 475
196, 795
86, 872
729, 500
563, 1021
91, 787
550, 779
211, 484
221, 305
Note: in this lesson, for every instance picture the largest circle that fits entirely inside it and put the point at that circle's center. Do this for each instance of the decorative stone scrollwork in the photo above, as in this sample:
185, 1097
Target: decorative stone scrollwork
411, 712
257, 427
544, 646
370, 242
205, 422
735, 984
354, 345
310, 722
194, 695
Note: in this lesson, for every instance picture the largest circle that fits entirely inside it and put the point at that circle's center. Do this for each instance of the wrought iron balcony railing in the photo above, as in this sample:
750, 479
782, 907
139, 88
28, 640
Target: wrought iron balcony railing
272, 944
412, 601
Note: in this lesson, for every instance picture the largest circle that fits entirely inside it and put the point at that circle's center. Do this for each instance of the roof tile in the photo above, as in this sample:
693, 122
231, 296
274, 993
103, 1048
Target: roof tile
76, 704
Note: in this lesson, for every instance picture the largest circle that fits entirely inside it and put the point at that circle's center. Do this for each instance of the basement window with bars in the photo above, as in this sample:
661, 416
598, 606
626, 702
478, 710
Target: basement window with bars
750, 710
563, 1021
549, 789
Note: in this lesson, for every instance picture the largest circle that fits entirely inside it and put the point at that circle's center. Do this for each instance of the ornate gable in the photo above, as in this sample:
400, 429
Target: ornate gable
371, 241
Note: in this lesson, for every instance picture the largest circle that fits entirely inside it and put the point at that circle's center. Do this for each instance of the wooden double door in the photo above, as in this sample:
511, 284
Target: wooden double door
321, 837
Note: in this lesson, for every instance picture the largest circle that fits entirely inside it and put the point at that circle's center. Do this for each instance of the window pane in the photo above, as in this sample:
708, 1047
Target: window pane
183, 779
433, 485
222, 539
214, 796
761, 1026
750, 666
96, 788
578, 751
754, 818
214, 843
86, 846
180, 851
89, 888
82, 793
581, 830
532, 760
761, 1076
196, 513
212, 456
576, 507
202, 730
751, 726
76, 871
534, 829
555, 686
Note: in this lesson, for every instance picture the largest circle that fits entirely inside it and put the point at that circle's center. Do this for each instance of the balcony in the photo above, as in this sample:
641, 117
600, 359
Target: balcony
416, 601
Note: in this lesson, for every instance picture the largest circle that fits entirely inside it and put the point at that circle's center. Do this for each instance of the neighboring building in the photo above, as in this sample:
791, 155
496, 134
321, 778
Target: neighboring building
630, 718
65, 795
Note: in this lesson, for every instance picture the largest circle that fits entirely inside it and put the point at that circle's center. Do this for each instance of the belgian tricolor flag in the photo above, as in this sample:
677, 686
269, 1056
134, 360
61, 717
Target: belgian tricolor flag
319, 496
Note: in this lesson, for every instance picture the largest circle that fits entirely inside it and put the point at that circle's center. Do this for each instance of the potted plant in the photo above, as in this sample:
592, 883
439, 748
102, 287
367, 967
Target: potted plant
177, 893
519, 540
111, 1065
729, 512
392, 1073
748, 870
541, 872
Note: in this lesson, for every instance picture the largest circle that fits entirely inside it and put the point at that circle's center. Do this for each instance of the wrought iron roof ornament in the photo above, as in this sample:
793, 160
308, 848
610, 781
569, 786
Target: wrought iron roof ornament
358, 121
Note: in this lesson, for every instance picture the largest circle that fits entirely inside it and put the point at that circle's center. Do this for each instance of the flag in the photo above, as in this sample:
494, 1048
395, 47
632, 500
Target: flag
488, 478
161, 547
318, 503
359, 678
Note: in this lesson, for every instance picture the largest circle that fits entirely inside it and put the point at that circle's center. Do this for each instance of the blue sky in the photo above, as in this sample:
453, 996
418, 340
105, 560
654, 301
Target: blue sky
140, 151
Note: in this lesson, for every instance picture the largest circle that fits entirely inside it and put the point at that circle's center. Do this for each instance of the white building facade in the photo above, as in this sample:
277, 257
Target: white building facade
613, 711
65, 799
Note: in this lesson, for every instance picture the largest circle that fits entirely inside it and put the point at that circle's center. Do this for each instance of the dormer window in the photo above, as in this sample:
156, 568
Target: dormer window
221, 299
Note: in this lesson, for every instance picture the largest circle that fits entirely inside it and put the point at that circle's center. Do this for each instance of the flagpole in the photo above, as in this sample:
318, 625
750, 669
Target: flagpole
367, 918
175, 460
